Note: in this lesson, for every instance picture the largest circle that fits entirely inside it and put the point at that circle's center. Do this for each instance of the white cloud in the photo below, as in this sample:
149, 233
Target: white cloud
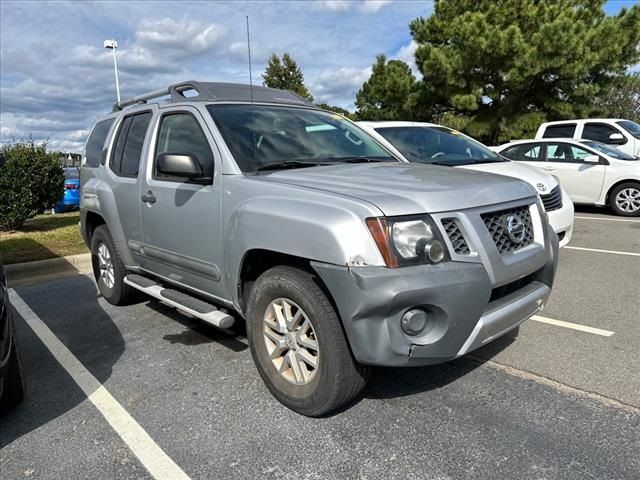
333, 5
372, 6
169, 36
363, 6
338, 86
407, 54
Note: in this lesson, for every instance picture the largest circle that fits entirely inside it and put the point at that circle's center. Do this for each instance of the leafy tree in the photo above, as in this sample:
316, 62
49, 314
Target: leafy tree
332, 108
623, 101
497, 62
386, 95
285, 75
31, 180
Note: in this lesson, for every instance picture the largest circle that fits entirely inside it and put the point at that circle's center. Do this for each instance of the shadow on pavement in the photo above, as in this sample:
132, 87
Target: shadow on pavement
71, 310
197, 332
401, 382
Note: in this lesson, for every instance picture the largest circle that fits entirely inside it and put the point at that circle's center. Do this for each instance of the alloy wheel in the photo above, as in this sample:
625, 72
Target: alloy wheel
291, 341
105, 264
628, 199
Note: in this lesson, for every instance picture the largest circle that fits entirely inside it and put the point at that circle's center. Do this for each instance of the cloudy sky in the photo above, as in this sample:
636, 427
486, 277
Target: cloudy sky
56, 78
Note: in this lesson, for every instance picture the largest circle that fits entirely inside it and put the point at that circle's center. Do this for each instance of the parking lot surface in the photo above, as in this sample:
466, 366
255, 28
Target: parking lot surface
555, 402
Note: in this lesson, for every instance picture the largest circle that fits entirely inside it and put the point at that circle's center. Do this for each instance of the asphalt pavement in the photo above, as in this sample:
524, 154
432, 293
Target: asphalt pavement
555, 402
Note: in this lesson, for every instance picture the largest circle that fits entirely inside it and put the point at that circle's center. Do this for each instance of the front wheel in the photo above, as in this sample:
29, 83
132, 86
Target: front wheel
625, 199
298, 345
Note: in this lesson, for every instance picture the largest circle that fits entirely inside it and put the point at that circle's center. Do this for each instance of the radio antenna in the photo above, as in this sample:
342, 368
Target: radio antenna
249, 52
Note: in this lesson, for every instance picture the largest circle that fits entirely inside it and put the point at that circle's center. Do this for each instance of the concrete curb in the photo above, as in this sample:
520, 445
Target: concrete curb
42, 270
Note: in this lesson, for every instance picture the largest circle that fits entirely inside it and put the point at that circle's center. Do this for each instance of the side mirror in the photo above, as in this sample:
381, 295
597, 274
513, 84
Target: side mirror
591, 159
616, 138
182, 165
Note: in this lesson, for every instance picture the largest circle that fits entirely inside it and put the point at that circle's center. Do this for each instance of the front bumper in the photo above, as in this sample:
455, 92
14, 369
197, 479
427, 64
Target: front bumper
464, 308
562, 220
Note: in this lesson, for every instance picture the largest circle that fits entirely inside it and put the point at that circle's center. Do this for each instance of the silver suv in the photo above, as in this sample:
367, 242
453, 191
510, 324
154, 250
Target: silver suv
237, 203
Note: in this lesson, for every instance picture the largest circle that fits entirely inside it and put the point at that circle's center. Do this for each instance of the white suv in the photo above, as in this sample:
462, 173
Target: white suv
616, 132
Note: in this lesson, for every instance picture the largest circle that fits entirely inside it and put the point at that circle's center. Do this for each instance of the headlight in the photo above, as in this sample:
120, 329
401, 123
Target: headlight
404, 241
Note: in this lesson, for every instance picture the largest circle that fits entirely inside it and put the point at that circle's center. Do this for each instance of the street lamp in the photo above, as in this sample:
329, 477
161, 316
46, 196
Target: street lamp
113, 45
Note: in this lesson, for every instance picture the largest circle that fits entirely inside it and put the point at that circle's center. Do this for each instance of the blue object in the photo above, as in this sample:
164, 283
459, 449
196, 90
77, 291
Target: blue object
71, 198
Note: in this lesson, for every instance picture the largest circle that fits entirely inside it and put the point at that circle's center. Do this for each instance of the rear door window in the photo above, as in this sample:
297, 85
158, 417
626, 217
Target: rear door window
528, 152
125, 161
564, 130
566, 153
95, 143
599, 132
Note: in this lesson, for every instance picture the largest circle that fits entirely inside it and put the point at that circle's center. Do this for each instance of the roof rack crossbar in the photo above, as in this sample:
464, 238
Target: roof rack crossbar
163, 92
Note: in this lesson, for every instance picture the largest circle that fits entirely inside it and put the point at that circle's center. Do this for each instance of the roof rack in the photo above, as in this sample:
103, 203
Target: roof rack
217, 92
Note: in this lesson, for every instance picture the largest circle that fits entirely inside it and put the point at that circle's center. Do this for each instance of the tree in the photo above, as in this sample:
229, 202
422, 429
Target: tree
497, 62
623, 101
386, 95
31, 180
342, 111
285, 75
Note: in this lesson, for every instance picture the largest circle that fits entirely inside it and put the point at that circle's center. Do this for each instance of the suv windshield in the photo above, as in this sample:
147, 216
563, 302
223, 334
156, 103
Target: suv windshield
438, 145
632, 127
264, 138
607, 150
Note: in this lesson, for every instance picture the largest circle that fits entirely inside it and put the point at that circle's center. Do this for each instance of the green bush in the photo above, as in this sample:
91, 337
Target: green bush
31, 180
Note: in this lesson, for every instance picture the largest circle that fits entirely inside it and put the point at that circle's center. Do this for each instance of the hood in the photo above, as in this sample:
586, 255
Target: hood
407, 188
538, 179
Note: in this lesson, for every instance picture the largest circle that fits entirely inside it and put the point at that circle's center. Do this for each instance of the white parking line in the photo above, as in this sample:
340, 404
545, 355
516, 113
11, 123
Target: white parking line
152, 457
615, 252
573, 326
607, 219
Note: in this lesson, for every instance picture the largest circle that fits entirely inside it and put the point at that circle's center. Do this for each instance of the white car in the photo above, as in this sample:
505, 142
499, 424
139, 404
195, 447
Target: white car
615, 132
435, 144
591, 172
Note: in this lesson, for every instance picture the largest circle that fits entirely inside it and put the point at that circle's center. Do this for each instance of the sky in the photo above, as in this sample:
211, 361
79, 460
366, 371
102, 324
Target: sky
56, 78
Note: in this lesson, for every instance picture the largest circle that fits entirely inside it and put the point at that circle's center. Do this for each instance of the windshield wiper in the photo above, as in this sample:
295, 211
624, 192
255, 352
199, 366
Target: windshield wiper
288, 164
361, 159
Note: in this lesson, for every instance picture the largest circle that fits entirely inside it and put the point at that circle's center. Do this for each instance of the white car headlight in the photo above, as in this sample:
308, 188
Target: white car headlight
409, 236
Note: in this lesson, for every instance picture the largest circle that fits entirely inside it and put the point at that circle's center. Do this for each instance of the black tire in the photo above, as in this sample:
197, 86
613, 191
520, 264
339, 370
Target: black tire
13, 389
119, 293
339, 378
614, 194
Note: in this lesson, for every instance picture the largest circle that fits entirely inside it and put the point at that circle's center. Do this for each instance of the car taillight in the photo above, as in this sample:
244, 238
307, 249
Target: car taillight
70, 186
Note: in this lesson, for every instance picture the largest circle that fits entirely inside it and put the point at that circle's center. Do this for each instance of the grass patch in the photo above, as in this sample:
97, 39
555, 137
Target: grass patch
42, 237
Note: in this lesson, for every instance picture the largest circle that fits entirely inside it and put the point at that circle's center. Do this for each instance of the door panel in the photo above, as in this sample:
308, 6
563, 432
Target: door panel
181, 225
582, 181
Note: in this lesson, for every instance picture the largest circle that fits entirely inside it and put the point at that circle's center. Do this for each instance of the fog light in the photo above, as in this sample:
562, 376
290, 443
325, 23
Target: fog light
434, 251
414, 321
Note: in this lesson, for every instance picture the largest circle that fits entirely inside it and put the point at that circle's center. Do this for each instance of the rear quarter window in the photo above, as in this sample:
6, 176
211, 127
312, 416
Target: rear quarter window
95, 143
566, 130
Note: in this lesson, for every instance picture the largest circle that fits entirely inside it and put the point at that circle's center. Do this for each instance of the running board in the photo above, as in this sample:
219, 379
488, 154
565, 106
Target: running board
183, 301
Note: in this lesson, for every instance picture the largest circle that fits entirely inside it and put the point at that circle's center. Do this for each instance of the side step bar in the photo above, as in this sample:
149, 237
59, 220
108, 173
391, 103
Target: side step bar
183, 301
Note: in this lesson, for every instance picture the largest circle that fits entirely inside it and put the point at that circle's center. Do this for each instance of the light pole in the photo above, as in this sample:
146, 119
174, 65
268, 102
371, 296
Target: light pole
113, 45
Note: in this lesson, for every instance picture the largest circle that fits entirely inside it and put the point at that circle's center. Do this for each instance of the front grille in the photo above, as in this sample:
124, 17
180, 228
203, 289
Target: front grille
497, 222
553, 200
504, 290
460, 245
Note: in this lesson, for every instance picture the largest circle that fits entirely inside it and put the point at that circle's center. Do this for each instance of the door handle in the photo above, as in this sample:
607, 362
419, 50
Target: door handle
148, 197
548, 169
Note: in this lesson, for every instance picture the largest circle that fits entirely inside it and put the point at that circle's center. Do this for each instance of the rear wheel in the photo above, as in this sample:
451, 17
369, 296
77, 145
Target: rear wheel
625, 199
298, 345
108, 268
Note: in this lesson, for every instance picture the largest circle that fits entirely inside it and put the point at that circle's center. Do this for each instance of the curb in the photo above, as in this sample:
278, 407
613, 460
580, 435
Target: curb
42, 270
